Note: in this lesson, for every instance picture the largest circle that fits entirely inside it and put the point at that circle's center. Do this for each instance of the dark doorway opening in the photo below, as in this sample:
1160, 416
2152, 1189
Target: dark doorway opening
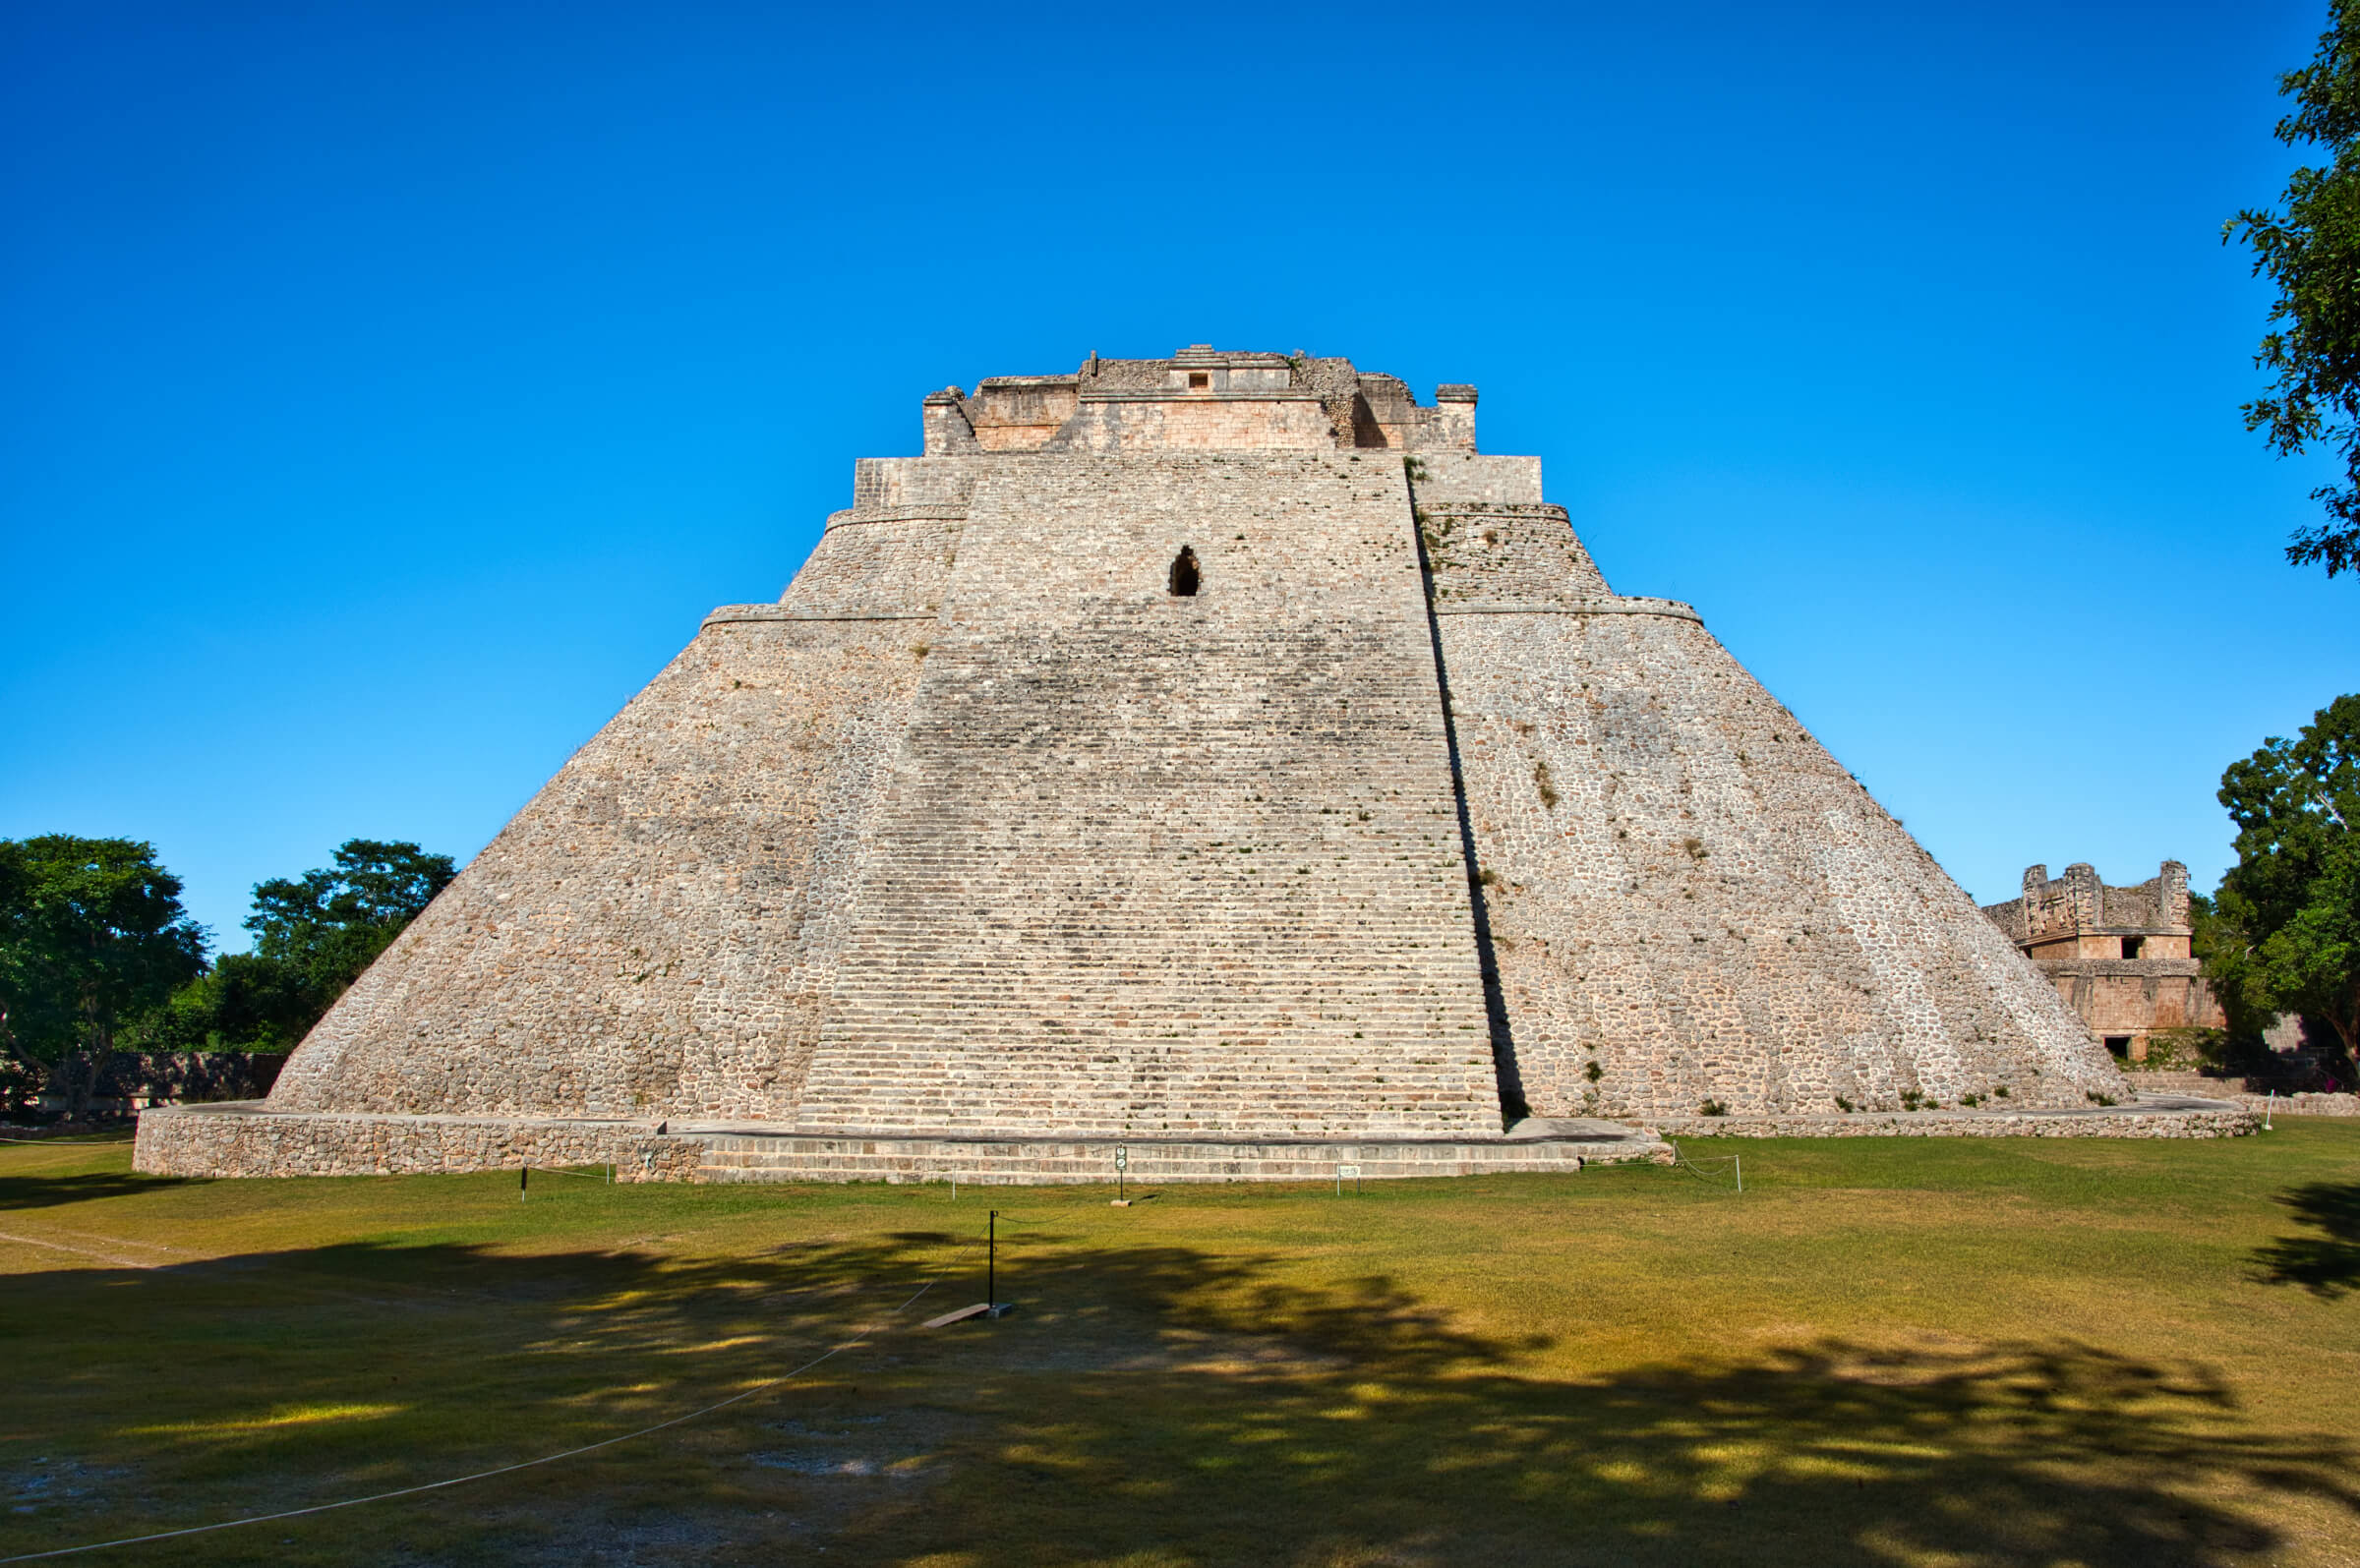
2133, 947
1184, 572
2119, 1044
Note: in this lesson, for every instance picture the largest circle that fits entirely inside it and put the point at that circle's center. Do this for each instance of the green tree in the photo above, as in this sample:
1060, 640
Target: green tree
2282, 934
246, 1002
91, 935
2311, 251
332, 923
314, 935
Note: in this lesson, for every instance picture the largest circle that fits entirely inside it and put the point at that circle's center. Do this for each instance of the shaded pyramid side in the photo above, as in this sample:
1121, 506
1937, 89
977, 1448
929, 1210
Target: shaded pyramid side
1690, 901
656, 931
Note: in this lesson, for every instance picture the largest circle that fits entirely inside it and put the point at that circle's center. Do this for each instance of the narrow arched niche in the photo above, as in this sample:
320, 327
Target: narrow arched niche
1184, 573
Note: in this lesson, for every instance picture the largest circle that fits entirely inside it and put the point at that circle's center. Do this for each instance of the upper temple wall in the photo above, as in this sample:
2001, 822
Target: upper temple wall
1201, 399
2078, 904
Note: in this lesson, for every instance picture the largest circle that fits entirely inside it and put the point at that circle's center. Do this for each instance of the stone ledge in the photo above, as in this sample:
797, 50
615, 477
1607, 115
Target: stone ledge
742, 615
1049, 1161
249, 1139
1620, 605
2164, 1116
1549, 511
2131, 968
937, 512
2303, 1102
245, 1137
1200, 394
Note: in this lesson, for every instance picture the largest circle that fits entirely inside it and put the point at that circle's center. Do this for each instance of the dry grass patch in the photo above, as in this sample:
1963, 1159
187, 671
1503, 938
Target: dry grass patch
1886, 1352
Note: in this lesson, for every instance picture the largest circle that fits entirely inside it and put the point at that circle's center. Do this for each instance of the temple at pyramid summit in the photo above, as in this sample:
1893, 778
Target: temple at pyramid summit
1220, 758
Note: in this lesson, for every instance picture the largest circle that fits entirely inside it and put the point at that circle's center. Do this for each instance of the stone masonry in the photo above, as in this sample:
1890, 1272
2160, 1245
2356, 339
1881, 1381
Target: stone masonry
1219, 754
2118, 957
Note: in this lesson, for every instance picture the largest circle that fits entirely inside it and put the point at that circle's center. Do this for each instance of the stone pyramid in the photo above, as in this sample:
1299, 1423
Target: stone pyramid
1217, 751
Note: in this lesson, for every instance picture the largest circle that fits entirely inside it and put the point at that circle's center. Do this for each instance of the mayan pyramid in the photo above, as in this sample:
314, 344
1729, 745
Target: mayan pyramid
1216, 750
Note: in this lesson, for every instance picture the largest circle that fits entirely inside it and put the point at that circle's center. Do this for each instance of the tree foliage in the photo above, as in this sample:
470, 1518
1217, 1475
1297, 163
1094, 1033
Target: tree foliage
2311, 251
2282, 935
332, 924
92, 936
314, 935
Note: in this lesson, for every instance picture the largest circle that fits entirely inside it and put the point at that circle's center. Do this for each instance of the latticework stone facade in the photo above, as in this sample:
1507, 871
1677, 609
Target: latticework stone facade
1218, 748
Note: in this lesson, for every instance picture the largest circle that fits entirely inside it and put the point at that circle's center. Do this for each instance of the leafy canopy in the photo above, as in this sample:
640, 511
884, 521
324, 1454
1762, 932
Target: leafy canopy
2311, 251
91, 934
2284, 933
330, 924
314, 935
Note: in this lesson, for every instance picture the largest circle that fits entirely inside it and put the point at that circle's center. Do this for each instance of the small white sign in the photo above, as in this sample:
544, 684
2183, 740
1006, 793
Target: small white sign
1350, 1173
1122, 1157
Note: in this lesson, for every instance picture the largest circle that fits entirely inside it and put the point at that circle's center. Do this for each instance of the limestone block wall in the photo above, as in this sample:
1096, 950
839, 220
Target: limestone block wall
2054, 914
1447, 478
2237, 1117
1208, 423
885, 561
1159, 864
883, 483
1018, 413
1504, 553
1690, 901
2131, 996
225, 1140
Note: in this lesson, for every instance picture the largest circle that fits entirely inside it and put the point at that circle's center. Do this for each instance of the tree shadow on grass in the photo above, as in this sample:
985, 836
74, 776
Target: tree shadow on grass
1157, 1404
2327, 1264
50, 1191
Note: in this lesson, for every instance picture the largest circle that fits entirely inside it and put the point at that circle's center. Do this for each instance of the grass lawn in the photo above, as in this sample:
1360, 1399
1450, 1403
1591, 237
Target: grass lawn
1884, 1352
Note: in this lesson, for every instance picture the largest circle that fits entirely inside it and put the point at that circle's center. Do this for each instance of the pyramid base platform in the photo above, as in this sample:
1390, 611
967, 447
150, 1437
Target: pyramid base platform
2143, 1116
249, 1139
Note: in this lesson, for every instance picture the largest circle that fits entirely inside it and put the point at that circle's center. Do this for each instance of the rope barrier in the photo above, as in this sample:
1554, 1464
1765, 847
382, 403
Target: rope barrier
72, 1141
481, 1475
1724, 1164
601, 1173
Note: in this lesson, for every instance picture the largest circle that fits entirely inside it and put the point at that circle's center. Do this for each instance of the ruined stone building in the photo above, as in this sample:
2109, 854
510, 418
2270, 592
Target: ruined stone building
1219, 754
2118, 957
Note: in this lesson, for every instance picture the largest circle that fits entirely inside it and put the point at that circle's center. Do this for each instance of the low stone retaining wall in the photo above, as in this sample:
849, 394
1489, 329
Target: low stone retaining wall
1053, 1162
2303, 1104
249, 1139
243, 1139
2205, 1119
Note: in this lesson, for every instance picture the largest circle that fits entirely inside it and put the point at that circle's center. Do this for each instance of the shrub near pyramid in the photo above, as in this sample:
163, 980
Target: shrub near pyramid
1214, 757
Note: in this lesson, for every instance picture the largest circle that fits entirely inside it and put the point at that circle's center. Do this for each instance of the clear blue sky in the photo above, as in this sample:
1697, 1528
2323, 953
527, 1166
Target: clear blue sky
387, 390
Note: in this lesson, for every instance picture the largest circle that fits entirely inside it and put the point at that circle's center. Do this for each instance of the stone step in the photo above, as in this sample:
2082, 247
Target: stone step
1071, 1161
1192, 864
2177, 1082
